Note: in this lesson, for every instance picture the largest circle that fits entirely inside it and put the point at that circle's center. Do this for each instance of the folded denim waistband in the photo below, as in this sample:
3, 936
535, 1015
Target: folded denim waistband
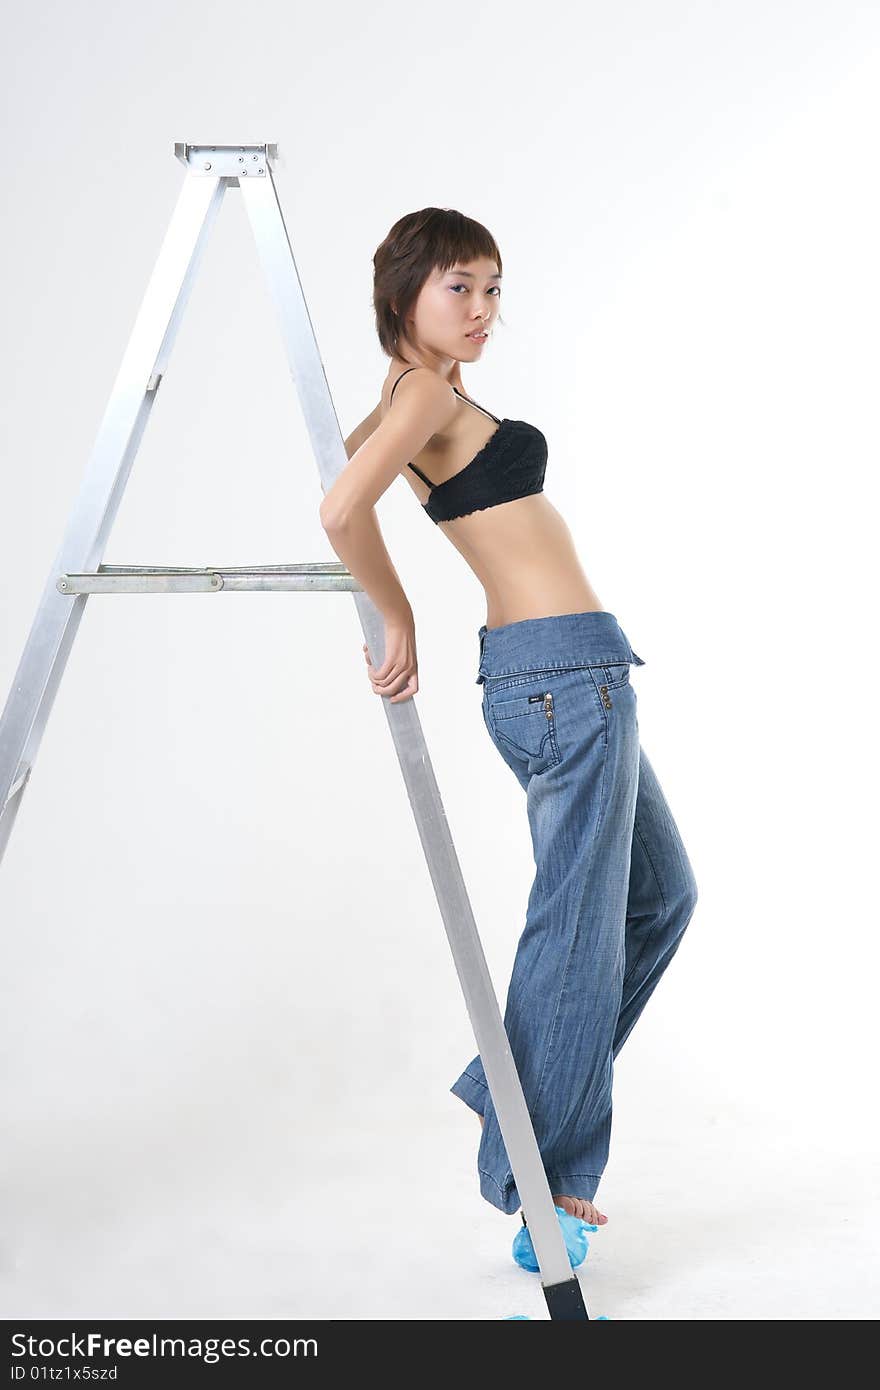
561, 642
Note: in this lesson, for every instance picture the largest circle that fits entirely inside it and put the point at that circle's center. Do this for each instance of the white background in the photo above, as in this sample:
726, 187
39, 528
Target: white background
230, 1013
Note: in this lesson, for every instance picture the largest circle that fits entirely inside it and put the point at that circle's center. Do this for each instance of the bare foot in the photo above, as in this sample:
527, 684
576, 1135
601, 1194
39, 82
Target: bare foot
579, 1206
575, 1206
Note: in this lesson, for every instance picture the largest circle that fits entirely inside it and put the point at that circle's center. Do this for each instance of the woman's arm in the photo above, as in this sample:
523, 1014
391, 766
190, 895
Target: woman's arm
423, 405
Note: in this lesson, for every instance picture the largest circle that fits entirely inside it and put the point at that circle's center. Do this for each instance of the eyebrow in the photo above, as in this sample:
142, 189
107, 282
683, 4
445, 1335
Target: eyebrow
496, 276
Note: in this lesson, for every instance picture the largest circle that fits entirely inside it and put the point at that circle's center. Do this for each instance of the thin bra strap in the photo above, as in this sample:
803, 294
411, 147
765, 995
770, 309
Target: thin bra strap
481, 408
390, 399
399, 379
422, 476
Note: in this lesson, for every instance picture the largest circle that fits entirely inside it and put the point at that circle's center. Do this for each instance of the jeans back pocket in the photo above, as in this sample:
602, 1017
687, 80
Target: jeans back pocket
525, 721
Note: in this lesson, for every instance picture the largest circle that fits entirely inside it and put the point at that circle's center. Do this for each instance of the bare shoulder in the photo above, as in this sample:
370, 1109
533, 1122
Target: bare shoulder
419, 403
422, 387
426, 396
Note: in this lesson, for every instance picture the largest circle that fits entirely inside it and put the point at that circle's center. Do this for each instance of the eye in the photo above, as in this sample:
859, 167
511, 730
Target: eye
496, 289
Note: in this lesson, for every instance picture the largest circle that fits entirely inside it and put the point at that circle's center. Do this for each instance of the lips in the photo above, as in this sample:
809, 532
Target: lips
479, 333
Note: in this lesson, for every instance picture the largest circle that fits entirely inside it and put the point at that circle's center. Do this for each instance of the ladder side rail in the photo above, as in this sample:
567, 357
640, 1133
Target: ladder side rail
131, 400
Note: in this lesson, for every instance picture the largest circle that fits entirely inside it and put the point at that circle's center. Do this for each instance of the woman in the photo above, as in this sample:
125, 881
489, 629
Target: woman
614, 889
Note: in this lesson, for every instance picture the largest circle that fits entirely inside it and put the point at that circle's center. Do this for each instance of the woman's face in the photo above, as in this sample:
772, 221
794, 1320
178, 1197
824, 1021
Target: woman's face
453, 305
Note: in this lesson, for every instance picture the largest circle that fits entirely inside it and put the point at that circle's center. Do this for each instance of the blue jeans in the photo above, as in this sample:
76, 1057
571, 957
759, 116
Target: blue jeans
612, 894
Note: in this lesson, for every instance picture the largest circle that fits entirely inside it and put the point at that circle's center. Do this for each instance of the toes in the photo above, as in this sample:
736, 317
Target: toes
592, 1214
581, 1208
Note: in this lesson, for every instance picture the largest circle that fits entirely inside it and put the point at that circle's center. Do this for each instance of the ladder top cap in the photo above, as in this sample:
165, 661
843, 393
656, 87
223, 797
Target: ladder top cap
223, 159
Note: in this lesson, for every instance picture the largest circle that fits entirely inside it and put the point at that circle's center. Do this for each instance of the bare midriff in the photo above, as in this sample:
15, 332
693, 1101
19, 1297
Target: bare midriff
523, 554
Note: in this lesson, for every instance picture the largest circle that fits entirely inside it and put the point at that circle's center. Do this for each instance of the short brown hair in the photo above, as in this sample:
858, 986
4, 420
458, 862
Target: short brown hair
418, 243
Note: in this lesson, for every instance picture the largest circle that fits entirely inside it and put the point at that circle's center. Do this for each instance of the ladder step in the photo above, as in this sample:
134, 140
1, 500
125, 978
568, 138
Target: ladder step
306, 577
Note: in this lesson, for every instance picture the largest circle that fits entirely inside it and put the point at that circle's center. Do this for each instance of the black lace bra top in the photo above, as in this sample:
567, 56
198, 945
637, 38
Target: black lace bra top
511, 464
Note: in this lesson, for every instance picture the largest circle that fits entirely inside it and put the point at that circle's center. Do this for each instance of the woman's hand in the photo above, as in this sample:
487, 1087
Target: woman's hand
398, 676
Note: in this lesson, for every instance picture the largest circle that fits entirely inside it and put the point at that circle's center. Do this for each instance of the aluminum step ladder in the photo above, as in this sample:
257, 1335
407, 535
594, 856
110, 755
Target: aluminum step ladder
78, 572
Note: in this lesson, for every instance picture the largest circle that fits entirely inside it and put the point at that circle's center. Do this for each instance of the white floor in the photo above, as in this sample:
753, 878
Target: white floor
271, 1217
